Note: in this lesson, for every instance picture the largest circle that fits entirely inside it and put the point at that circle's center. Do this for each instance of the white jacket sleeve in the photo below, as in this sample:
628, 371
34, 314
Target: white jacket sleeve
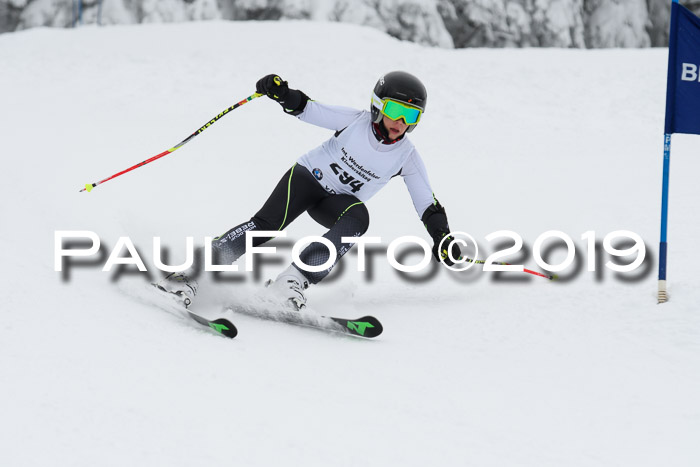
416, 178
332, 117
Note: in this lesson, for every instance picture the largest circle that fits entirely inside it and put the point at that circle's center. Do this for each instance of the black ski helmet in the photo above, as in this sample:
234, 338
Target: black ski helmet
399, 86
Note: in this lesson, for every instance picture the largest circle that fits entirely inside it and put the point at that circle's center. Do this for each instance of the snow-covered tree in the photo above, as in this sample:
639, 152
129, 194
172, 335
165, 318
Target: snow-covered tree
441, 23
618, 23
413, 20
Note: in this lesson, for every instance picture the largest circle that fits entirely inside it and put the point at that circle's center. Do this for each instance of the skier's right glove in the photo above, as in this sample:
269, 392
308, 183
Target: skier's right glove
273, 87
292, 101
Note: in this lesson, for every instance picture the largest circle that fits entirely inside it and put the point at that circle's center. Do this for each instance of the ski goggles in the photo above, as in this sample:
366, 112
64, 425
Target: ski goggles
396, 110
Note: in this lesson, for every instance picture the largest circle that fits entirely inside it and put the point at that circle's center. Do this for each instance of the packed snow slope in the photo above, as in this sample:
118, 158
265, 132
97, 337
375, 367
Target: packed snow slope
473, 368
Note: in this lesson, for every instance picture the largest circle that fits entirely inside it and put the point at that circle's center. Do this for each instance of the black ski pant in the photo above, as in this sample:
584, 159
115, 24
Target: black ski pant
297, 192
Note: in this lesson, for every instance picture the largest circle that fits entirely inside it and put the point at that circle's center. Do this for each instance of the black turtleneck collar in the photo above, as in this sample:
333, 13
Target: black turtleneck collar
382, 135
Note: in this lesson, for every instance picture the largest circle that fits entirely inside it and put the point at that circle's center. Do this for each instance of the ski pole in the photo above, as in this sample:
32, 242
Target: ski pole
529, 271
90, 186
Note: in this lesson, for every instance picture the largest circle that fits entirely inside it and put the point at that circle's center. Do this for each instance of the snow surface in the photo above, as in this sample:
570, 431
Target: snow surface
469, 371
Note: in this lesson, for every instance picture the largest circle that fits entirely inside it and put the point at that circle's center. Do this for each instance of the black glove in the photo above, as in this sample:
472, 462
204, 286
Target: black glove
435, 220
273, 87
448, 245
292, 101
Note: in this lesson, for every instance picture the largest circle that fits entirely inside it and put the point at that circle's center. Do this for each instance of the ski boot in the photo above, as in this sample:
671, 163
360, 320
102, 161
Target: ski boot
179, 284
290, 286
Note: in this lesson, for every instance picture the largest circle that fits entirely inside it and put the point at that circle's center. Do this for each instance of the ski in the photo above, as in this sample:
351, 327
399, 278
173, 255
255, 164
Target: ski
366, 326
222, 326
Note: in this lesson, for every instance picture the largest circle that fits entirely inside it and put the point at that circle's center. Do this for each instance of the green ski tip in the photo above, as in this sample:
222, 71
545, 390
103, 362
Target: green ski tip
359, 326
218, 327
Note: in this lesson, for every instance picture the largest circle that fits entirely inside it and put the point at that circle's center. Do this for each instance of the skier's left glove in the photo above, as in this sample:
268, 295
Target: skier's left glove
292, 101
449, 248
435, 220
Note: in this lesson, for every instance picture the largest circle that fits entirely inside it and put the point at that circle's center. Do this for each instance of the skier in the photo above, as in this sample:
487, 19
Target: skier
333, 181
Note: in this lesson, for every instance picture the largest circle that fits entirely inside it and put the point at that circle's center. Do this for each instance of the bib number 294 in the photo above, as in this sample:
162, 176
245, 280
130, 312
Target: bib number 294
346, 178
